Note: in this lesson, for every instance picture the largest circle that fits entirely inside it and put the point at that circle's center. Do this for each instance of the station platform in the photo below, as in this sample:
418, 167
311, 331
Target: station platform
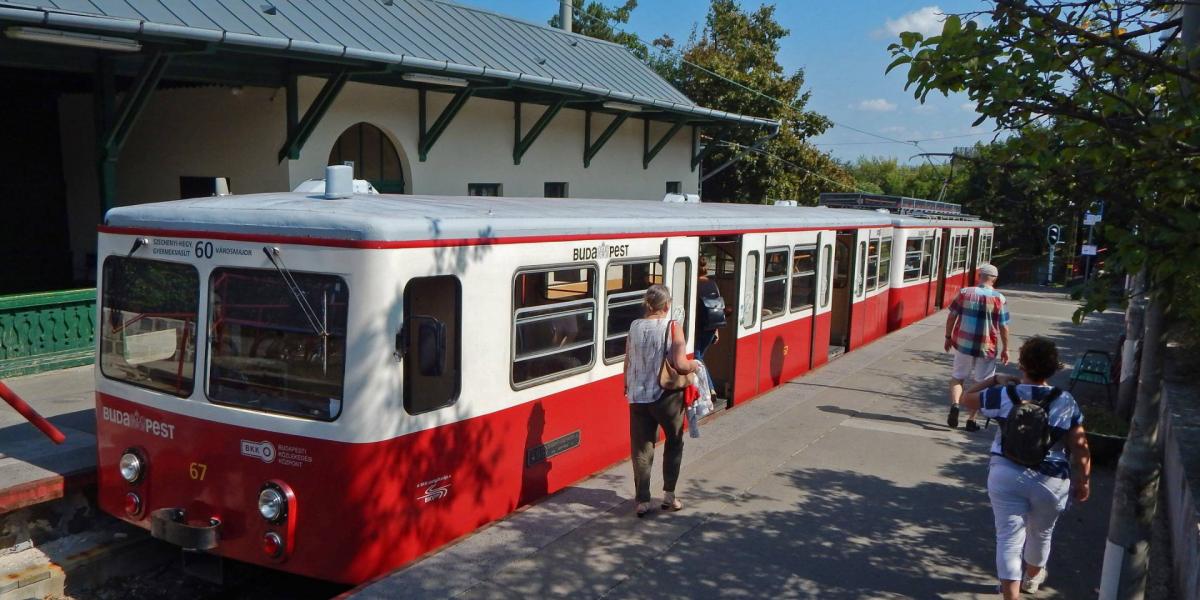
845, 483
32, 468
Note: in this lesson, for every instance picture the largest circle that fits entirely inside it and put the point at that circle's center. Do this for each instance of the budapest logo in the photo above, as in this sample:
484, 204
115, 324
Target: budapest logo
264, 451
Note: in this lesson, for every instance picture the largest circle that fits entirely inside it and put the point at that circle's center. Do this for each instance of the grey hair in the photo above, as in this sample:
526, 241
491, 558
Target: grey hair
657, 297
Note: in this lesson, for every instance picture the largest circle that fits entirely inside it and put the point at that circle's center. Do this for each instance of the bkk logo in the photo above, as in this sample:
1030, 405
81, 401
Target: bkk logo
264, 451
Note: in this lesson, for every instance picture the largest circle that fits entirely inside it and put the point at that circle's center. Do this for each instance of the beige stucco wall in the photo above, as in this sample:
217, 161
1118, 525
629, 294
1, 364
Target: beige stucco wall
223, 132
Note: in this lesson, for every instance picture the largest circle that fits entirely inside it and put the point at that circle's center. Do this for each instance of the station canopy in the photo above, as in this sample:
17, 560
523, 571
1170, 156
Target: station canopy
426, 44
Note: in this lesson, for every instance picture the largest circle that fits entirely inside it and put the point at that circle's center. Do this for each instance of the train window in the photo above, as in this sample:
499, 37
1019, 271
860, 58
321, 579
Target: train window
485, 189
554, 323
912, 258
431, 343
873, 264
927, 257
681, 291
860, 273
278, 341
624, 287
775, 278
750, 306
885, 262
828, 270
804, 277
148, 323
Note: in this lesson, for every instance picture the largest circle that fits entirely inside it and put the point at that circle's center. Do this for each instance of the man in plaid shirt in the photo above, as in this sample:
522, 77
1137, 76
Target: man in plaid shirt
976, 328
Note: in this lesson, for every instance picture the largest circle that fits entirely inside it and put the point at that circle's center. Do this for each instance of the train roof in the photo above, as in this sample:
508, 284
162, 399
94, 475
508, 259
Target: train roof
935, 221
405, 218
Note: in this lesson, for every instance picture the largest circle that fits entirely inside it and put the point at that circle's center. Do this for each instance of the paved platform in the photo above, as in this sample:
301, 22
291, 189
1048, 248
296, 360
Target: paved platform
32, 468
845, 483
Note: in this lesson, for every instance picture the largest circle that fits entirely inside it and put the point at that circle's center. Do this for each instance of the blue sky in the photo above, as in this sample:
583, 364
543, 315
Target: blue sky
842, 47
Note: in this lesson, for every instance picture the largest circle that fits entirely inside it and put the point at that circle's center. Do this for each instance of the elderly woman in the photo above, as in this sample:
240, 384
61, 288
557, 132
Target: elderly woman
650, 406
1026, 500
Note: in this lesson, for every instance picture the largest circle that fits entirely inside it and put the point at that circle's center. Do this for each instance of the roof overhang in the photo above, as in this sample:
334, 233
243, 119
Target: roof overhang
208, 45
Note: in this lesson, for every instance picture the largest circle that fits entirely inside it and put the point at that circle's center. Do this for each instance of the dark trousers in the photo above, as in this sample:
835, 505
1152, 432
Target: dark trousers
644, 421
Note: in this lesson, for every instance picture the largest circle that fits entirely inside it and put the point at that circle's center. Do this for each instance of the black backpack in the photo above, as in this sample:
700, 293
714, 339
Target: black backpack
1025, 433
712, 307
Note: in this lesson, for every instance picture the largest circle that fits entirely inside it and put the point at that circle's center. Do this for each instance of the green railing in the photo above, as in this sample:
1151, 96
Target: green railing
46, 331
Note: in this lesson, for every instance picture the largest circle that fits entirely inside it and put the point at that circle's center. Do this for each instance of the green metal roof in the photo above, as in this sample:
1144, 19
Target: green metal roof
430, 36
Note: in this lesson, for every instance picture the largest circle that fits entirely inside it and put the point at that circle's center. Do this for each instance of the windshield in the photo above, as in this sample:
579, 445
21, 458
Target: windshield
265, 352
148, 323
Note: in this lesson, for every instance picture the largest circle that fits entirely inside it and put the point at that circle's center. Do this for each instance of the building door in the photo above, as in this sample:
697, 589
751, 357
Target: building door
369, 151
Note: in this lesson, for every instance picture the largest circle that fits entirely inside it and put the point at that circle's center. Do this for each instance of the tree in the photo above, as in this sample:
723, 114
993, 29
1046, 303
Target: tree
598, 21
743, 47
1117, 90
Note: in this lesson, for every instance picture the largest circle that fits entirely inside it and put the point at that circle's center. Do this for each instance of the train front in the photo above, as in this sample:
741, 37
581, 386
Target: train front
219, 383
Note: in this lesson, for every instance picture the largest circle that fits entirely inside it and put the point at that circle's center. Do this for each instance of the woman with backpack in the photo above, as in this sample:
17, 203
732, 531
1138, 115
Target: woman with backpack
1039, 456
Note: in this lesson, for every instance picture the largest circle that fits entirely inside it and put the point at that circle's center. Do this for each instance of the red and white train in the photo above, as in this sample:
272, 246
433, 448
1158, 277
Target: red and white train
333, 387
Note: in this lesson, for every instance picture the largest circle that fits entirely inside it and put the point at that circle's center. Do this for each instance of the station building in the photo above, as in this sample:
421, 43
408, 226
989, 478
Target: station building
116, 103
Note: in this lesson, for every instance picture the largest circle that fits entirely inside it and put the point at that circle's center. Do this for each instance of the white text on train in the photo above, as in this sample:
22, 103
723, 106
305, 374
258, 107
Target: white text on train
135, 420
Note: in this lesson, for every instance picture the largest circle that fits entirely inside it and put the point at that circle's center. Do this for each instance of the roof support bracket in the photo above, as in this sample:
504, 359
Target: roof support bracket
649, 153
521, 144
700, 153
134, 102
753, 148
298, 131
429, 136
590, 149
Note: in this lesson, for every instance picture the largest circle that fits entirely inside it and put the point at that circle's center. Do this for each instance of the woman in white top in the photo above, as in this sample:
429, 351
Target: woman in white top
650, 406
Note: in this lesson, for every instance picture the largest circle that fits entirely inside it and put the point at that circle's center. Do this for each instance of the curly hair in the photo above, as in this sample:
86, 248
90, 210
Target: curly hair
1039, 358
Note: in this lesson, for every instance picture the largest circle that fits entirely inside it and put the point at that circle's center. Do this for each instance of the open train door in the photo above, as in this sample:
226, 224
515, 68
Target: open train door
749, 316
678, 258
930, 267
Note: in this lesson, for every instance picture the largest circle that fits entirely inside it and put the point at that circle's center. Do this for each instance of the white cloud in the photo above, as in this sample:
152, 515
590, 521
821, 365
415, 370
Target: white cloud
927, 21
967, 107
874, 105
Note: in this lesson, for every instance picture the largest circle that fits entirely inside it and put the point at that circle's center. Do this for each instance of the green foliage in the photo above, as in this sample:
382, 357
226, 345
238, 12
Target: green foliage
1101, 106
744, 46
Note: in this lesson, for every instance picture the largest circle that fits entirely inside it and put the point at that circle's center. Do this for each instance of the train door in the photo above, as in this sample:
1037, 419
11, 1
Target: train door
972, 255
844, 273
823, 309
930, 247
721, 256
941, 264
679, 266
748, 316
788, 297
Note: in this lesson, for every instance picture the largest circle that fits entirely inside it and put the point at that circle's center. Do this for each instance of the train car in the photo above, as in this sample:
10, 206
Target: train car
335, 386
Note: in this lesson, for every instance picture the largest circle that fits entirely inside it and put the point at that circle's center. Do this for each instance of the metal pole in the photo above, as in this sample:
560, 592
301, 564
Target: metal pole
566, 10
1050, 266
1087, 268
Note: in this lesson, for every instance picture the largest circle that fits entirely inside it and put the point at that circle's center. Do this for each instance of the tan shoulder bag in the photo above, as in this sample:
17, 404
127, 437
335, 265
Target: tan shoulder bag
669, 378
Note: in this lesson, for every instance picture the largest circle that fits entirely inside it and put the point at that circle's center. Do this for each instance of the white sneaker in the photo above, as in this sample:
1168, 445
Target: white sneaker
1030, 585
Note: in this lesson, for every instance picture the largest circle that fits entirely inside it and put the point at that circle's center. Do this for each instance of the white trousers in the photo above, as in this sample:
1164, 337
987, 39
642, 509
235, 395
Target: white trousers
975, 368
1026, 505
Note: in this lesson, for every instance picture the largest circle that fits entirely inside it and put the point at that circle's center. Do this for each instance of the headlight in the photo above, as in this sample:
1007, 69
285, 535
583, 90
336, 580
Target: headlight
271, 504
131, 467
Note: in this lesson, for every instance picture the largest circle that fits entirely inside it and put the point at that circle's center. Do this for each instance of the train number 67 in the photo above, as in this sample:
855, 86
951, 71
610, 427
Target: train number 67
197, 471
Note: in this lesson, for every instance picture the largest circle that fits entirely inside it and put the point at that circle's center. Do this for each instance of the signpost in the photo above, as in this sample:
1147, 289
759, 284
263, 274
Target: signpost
1053, 233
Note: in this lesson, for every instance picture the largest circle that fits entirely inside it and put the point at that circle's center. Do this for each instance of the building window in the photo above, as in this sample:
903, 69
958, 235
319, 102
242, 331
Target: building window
674, 187
625, 287
555, 189
775, 280
553, 323
484, 189
366, 149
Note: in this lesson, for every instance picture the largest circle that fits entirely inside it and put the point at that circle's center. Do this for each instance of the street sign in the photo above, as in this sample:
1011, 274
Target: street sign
1091, 218
1088, 250
1052, 235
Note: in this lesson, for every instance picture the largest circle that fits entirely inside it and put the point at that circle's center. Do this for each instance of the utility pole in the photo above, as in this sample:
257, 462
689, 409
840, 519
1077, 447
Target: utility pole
566, 10
1135, 497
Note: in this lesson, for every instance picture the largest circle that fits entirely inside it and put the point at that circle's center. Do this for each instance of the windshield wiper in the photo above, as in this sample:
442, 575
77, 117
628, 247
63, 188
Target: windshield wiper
319, 323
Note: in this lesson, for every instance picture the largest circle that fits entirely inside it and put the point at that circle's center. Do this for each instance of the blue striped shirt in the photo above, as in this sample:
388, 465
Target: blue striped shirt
1064, 414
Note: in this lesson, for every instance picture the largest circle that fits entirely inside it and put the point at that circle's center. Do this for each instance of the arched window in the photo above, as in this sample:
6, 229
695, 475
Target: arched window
372, 155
